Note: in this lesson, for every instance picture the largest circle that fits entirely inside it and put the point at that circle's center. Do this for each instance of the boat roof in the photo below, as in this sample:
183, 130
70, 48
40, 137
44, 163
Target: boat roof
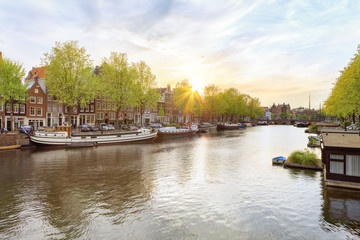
341, 139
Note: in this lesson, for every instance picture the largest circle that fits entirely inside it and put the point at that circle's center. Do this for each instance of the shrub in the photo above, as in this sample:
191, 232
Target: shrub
313, 128
305, 157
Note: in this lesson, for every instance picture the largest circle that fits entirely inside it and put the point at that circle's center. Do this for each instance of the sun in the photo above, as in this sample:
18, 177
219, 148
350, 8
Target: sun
197, 86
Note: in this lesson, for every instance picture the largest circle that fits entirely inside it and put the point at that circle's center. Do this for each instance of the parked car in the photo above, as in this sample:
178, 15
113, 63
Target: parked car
25, 129
103, 127
352, 127
155, 125
111, 127
94, 128
85, 128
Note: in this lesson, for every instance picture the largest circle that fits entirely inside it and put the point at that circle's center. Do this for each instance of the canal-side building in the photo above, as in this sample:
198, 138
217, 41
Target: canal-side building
19, 115
341, 158
36, 101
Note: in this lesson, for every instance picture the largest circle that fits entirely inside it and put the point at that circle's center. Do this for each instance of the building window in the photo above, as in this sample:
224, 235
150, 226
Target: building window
32, 111
40, 100
22, 108
49, 98
81, 109
92, 108
87, 108
54, 108
113, 106
108, 106
1, 107
60, 108
112, 116
337, 156
8, 107
16, 108
104, 106
49, 107
100, 116
353, 165
39, 111
32, 99
98, 106
36, 90
337, 167
74, 109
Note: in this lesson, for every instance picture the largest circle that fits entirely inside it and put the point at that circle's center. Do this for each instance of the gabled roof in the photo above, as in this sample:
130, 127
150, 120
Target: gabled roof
39, 71
41, 83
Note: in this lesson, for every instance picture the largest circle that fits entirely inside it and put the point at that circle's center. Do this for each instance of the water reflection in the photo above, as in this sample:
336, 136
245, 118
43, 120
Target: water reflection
210, 186
341, 210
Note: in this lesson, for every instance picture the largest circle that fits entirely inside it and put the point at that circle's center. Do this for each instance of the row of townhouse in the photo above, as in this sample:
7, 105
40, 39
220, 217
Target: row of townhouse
42, 109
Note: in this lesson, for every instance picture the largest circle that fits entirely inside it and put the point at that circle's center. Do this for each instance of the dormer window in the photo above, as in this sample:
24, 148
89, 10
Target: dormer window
36, 90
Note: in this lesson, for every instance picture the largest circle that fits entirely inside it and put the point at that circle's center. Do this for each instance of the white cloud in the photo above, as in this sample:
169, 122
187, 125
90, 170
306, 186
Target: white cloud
275, 50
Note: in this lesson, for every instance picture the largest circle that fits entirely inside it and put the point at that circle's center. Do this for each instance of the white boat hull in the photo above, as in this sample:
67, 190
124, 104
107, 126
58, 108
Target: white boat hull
56, 140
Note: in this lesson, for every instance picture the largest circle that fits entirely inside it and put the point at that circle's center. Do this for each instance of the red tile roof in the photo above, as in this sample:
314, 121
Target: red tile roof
39, 71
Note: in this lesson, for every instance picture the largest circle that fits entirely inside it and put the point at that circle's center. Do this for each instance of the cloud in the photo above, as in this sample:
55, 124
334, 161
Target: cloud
275, 50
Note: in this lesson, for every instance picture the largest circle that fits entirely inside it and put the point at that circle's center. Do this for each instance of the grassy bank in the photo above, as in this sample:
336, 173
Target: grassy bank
305, 158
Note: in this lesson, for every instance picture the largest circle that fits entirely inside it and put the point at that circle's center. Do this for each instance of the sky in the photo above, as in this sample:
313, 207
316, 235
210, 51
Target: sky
278, 51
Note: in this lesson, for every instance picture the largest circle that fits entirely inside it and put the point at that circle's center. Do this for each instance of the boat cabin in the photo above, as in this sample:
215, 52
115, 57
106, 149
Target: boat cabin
341, 158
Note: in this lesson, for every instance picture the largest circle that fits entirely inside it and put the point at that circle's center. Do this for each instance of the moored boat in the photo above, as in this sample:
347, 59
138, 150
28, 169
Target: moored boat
230, 126
205, 127
64, 138
177, 132
279, 160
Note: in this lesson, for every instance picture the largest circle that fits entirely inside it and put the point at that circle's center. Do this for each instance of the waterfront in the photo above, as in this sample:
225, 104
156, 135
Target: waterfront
220, 185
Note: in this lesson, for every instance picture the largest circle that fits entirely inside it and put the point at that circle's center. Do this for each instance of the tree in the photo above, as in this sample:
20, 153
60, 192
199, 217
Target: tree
69, 75
287, 114
185, 98
282, 115
117, 79
12, 90
305, 116
145, 93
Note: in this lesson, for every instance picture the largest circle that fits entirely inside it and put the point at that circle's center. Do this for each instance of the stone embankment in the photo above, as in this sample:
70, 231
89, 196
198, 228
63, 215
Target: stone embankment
9, 139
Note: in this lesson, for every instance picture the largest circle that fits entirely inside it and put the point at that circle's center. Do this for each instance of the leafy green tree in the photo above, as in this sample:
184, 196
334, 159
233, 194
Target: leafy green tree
144, 88
299, 116
305, 116
11, 88
185, 98
255, 109
69, 75
344, 100
282, 115
287, 114
272, 116
118, 81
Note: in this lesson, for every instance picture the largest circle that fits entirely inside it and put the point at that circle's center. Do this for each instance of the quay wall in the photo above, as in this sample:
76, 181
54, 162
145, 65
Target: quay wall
13, 139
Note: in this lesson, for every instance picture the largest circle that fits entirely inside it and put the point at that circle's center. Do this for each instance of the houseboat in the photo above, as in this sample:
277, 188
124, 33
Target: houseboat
230, 126
177, 132
63, 137
341, 158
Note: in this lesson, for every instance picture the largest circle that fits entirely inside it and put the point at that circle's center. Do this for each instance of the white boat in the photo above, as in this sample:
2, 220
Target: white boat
175, 132
60, 138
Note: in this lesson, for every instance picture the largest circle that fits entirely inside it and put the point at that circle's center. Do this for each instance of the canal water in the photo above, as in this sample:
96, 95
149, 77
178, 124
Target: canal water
220, 185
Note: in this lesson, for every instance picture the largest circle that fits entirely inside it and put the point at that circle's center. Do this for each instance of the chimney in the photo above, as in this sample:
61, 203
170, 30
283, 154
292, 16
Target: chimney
36, 78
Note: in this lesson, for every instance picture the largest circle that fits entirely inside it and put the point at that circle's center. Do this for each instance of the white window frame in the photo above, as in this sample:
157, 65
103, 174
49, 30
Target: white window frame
22, 108
36, 90
41, 111
39, 100
32, 99
32, 113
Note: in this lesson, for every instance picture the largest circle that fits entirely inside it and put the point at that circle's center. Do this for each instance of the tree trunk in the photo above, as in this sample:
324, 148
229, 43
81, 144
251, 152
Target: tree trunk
69, 115
117, 117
